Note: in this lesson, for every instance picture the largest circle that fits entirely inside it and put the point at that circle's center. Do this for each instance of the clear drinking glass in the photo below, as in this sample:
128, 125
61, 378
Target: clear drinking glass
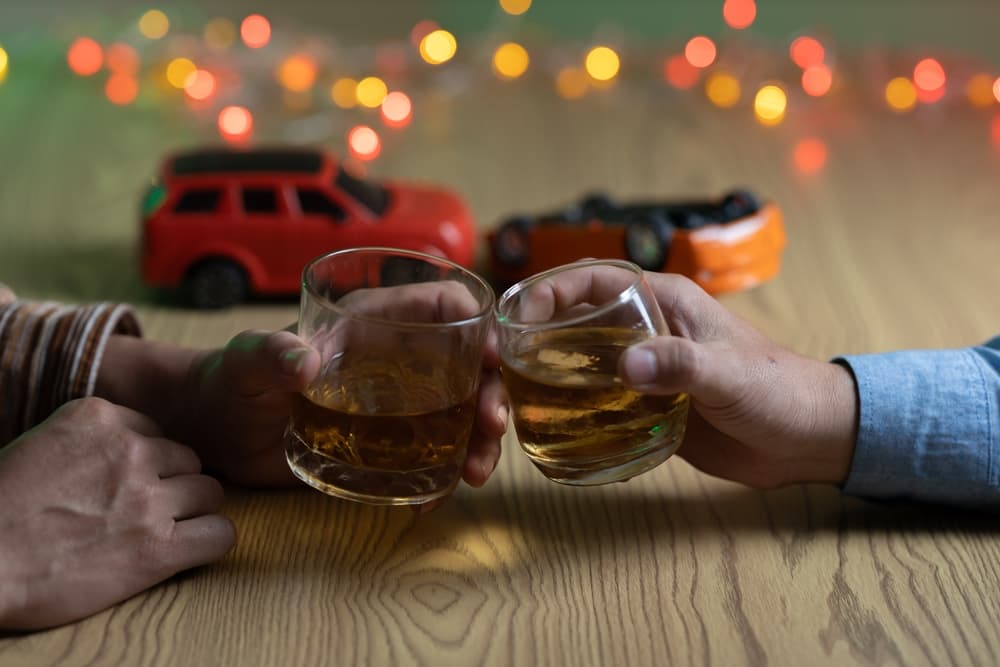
561, 334
401, 336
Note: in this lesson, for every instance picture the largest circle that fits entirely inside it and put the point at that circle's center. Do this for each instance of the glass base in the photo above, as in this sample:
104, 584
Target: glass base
595, 473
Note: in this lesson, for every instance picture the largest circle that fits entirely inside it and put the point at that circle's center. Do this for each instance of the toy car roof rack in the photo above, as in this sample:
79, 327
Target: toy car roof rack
259, 160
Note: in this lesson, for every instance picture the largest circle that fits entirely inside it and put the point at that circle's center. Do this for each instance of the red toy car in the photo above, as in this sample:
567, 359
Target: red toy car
725, 245
224, 224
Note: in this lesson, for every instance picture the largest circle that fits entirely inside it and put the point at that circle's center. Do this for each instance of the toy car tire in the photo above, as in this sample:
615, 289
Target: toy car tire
647, 242
510, 244
216, 283
739, 204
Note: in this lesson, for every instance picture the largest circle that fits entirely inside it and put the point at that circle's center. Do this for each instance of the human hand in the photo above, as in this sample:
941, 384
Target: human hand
762, 415
96, 506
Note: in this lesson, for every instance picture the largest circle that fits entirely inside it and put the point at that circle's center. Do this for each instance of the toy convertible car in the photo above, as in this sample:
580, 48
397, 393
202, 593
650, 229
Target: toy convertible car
223, 224
726, 245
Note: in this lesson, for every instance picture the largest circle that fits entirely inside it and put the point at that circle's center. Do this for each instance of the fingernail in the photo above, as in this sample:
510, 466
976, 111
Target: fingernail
293, 360
640, 366
502, 414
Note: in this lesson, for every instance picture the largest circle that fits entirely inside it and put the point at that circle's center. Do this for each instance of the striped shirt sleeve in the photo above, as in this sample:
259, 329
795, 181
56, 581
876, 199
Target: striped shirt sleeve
50, 354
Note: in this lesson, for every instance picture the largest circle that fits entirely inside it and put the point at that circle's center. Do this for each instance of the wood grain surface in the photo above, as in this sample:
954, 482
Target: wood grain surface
895, 244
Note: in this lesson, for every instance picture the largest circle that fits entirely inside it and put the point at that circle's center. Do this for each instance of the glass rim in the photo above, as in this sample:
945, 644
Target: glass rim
520, 286
484, 312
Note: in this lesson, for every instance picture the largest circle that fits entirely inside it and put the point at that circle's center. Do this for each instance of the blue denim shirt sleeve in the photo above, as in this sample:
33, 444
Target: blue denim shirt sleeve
929, 426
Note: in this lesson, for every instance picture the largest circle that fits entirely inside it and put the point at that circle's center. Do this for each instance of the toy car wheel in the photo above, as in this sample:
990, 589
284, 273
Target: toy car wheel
510, 243
216, 283
647, 242
739, 204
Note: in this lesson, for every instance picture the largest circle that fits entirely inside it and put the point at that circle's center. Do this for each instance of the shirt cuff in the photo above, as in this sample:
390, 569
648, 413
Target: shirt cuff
927, 427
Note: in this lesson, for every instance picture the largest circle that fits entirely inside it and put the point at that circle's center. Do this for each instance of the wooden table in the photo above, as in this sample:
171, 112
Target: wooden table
894, 244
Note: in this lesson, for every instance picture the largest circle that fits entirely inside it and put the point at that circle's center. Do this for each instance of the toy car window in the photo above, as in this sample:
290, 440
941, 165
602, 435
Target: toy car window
372, 195
315, 202
198, 201
260, 200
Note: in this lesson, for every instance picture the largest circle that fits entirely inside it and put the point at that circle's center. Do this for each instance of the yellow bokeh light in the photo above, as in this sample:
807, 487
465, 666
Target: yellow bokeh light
297, 73
722, 89
371, 91
901, 94
979, 90
154, 24
602, 63
344, 93
770, 104
3, 64
178, 71
510, 60
515, 7
220, 33
572, 83
438, 46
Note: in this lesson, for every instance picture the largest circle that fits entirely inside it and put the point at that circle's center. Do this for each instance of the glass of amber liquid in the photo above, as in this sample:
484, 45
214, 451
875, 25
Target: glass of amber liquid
561, 334
401, 337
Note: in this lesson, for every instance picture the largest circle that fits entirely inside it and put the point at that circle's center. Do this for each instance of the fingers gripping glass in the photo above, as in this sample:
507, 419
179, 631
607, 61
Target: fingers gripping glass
561, 335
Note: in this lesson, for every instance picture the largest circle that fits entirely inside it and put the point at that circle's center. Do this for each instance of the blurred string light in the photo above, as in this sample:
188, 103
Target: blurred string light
680, 73
739, 14
363, 142
723, 89
515, 7
371, 92
297, 73
900, 94
979, 90
235, 123
219, 34
178, 71
121, 89
438, 47
602, 63
397, 109
344, 93
806, 52
817, 80
809, 155
122, 59
572, 83
255, 30
85, 56
770, 104
700, 51
510, 60
4, 60
154, 24
200, 85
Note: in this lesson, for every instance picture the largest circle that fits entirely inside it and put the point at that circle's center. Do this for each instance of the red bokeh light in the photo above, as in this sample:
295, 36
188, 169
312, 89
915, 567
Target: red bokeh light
807, 52
930, 96
817, 80
235, 123
739, 14
200, 85
700, 51
421, 30
255, 31
85, 56
928, 75
995, 130
680, 73
363, 142
397, 109
121, 89
809, 155
122, 59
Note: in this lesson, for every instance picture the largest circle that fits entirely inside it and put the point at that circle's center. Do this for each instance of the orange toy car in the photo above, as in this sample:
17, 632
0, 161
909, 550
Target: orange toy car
726, 245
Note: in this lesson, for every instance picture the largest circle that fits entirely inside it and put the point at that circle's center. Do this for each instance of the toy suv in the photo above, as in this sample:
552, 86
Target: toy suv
223, 224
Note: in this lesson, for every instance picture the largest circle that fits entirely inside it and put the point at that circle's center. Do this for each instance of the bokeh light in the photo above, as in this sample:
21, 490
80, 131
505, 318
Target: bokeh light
255, 30
344, 93
602, 63
438, 46
930, 96
200, 85
397, 109
995, 130
121, 89
121, 59
979, 90
770, 104
700, 51
928, 74
739, 14
363, 142
722, 89
178, 71
996, 89
680, 73
572, 83
371, 92
420, 30
900, 94
807, 52
297, 73
85, 56
510, 60
817, 80
235, 123
219, 33
154, 24
809, 155
515, 7
4, 60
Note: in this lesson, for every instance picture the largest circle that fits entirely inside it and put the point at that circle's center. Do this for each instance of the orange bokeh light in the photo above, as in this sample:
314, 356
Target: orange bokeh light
397, 109
122, 59
255, 31
739, 14
817, 80
680, 73
235, 123
807, 52
297, 73
928, 75
809, 155
363, 142
200, 85
700, 51
121, 89
85, 56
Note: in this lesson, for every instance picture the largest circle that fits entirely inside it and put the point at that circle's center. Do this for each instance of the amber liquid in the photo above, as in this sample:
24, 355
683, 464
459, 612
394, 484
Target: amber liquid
574, 418
383, 434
